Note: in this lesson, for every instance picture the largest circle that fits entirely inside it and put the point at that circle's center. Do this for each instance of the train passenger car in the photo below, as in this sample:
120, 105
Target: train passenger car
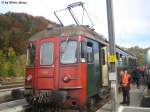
125, 59
66, 66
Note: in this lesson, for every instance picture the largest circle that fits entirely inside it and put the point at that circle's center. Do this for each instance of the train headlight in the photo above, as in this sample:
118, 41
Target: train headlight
29, 78
66, 78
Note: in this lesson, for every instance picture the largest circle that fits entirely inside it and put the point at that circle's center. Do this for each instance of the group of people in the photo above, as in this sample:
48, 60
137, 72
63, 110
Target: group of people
125, 81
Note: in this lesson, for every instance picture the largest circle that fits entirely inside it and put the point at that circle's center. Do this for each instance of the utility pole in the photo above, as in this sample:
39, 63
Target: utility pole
112, 56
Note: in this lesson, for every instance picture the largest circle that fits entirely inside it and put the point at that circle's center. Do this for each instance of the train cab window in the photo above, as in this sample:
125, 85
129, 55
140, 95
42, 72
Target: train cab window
68, 52
31, 55
90, 52
103, 56
46, 53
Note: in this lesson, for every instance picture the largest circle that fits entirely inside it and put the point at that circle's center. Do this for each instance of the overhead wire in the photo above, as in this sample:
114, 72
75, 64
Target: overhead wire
100, 19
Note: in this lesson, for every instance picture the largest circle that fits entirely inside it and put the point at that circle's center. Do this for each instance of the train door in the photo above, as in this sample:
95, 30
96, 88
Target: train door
104, 66
45, 72
30, 69
93, 69
69, 75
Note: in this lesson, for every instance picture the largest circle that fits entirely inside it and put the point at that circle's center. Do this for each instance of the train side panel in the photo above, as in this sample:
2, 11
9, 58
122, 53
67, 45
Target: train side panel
93, 68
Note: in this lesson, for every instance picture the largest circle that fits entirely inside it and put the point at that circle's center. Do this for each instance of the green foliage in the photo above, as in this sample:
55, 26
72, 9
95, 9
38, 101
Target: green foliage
1, 61
139, 53
7, 63
12, 65
15, 30
11, 55
19, 67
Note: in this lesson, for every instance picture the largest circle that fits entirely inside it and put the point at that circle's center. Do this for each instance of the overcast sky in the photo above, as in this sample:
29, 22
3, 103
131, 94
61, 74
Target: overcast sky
132, 26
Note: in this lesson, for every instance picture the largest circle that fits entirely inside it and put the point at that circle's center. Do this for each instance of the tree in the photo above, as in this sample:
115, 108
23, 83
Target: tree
15, 30
139, 53
19, 66
1, 61
7, 63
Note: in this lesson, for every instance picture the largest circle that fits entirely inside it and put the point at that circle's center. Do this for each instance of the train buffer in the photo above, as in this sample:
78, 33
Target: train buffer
138, 101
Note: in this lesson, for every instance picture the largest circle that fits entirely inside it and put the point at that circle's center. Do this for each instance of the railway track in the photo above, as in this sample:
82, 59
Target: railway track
22, 106
5, 86
14, 106
10, 89
9, 93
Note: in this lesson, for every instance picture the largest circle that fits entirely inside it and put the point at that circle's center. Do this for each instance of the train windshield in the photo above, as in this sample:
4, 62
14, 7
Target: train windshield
31, 55
46, 53
68, 52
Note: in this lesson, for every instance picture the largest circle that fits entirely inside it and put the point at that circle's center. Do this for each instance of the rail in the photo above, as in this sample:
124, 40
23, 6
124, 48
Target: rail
12, 93
14, 106
10, 89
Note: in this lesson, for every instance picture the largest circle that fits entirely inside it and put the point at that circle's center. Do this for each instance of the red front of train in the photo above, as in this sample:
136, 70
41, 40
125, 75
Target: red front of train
56, 72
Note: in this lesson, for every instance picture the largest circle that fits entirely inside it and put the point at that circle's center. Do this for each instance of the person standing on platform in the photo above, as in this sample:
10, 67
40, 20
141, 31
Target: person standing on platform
125, 84
136, 77
134, 72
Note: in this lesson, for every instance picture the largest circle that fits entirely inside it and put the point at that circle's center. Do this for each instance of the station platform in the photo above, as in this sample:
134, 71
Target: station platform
136, 99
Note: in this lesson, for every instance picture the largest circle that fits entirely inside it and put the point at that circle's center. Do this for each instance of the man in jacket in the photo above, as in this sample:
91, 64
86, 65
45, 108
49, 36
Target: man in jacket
125, 84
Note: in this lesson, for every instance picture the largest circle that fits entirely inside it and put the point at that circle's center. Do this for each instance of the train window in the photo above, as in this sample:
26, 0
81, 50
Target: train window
46, 53
117, 55
126, 60
68, 52
90, 52
83, 51
31, 55
103, 57
121, 55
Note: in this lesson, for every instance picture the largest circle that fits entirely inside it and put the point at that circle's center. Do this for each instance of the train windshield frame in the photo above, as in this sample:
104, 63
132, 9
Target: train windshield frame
47, 53
31, 52
68, 52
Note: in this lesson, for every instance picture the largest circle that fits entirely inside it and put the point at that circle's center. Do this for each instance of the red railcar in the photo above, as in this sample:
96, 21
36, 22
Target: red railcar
64, 66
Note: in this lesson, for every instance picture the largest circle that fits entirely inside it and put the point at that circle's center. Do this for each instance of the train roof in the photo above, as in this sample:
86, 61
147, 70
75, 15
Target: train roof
69, 31
125, 52
74, 30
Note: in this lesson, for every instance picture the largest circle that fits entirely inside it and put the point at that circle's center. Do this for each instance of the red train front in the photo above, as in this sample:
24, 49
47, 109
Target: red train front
63, 66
